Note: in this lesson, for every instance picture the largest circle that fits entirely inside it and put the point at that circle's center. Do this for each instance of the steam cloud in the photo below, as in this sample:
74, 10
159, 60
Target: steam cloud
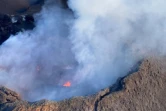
92, 46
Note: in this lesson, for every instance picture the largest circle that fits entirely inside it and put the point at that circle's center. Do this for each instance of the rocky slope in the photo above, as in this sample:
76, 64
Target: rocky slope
12, 24
17, 15
17, 7
143, 90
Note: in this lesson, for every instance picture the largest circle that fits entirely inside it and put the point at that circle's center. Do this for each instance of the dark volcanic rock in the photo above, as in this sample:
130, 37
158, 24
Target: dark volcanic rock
12, 6
142, 91
22, 18
18, 7
30, 7
10, 25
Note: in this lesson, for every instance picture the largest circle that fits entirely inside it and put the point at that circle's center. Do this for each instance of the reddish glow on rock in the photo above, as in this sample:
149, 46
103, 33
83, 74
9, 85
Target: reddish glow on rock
38, 68
67, 84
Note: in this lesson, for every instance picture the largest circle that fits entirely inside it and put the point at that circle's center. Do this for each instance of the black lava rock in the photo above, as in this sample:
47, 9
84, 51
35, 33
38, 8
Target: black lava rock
11, 25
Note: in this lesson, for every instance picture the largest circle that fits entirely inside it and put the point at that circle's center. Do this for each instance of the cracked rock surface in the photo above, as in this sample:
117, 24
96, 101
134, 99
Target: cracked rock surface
143, 90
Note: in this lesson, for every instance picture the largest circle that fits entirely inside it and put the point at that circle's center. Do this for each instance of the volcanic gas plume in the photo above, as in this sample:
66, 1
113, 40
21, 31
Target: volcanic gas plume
82, 49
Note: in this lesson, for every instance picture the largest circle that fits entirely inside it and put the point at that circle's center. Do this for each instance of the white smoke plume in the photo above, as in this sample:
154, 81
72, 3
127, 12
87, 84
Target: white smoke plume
110, 36
91, 46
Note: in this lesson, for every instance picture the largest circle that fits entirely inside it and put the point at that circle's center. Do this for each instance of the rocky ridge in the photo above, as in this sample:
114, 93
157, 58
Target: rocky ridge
143, 90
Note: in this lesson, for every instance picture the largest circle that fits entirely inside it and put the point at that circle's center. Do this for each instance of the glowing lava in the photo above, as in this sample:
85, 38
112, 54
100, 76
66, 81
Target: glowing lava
67, 84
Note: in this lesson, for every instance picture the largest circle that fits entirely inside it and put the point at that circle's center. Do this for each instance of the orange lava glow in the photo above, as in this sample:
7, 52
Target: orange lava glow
67, 84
